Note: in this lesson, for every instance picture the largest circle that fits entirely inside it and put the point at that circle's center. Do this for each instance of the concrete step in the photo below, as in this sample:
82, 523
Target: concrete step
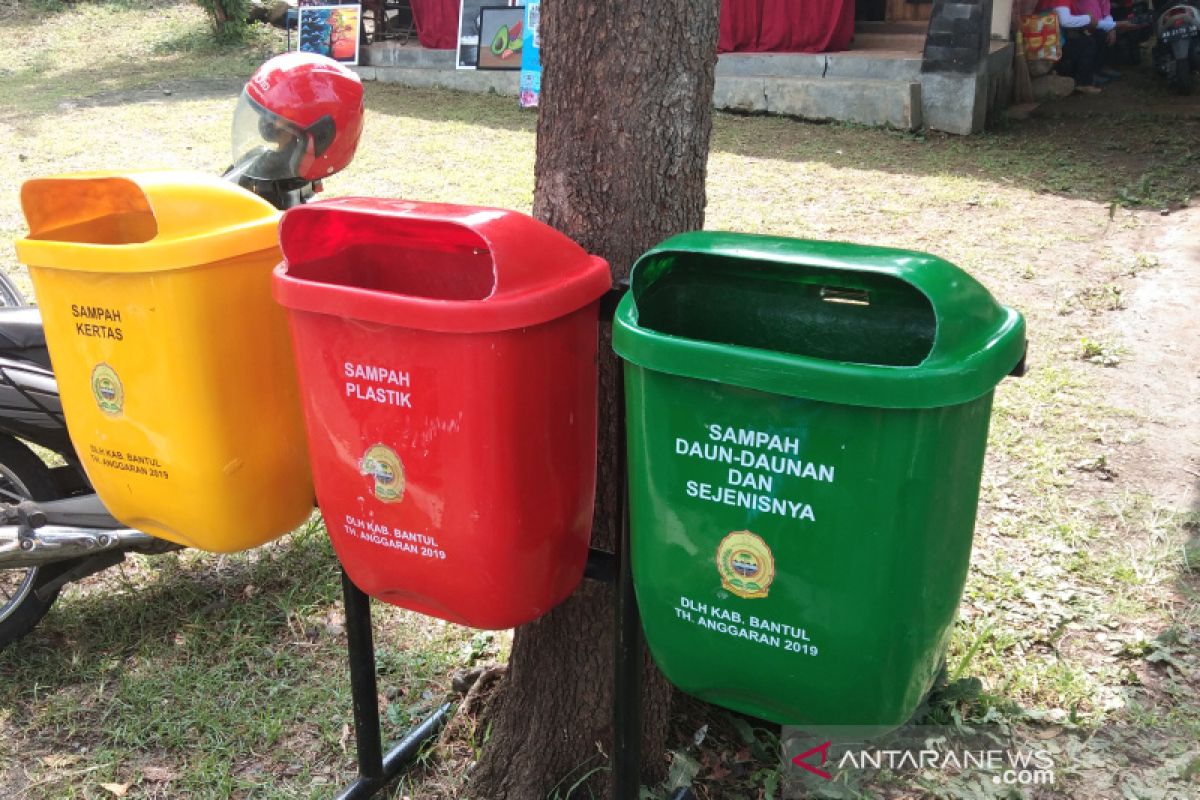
395, 54
906, 42
869, 101
920, 26
465, 80
864, 86
881, 64
884, 64
811, 65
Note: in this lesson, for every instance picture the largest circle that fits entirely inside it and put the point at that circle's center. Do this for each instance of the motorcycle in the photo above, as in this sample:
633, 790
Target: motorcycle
1176, 51
1135, 24
54, 529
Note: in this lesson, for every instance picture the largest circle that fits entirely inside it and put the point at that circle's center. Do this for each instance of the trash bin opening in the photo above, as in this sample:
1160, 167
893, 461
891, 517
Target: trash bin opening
425, 259
833, 314
100, 211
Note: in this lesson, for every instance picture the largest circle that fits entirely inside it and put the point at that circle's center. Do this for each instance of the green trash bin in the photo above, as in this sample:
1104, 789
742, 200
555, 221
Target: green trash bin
806, 429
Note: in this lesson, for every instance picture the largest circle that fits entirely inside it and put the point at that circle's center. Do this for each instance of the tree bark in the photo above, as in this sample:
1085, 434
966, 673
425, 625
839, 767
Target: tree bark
623, 136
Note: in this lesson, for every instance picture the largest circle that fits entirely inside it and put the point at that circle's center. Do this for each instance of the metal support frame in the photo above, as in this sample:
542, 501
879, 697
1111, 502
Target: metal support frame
614, 568
375, 770
627, 624
627, 687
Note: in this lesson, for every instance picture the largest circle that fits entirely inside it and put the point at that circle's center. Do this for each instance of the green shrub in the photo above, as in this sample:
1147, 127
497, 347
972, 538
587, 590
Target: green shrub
228, 17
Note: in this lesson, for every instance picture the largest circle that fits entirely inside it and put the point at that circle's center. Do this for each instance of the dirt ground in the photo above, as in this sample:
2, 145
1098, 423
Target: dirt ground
1139, 89
1163, 382
1159, 323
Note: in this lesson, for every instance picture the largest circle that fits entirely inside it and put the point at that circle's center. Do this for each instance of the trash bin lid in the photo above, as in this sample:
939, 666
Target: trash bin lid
432, 266
826, 321
141, 221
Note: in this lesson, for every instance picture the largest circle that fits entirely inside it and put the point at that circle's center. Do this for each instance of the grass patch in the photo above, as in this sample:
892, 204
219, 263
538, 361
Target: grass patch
146, 45
122, 677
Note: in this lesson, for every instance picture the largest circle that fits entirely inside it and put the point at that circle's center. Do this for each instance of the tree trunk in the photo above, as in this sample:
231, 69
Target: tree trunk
623, 133
219, 16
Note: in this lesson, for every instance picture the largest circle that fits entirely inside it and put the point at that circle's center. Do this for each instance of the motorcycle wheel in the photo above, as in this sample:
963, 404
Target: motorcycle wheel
23, 476
1184, 81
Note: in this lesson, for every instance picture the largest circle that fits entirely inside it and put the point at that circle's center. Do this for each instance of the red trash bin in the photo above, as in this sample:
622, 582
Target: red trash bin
447, 359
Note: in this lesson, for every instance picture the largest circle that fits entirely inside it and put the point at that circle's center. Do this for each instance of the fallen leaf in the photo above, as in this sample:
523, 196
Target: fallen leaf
117, 789
159, 774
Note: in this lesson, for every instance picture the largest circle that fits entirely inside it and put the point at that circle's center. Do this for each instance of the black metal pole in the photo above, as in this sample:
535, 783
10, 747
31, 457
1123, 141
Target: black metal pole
375, 770
627, 679
404, 752
361, 649
395, 761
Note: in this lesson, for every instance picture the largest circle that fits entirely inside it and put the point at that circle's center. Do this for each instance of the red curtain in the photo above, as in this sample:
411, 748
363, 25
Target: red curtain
747, 26
785, 26
437, 23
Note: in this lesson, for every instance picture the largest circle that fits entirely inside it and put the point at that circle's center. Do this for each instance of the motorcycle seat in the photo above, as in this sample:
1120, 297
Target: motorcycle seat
22, 335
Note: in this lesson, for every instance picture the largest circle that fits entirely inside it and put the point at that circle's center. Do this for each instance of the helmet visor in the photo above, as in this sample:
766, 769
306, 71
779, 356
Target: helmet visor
265, 145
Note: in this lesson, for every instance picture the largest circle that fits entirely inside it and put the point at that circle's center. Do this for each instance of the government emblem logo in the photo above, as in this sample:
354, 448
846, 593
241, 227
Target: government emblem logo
107, 389
382, 464
746, 564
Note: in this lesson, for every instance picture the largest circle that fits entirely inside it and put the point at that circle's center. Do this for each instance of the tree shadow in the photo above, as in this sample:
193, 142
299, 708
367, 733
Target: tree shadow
60, 56
1105, 149
169, 604
1134, 145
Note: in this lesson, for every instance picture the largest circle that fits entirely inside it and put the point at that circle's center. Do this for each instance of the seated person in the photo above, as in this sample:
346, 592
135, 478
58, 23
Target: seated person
1106, 29
1079, 21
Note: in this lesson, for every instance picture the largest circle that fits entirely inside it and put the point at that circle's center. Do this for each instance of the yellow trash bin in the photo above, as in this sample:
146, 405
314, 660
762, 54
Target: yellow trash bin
173, 362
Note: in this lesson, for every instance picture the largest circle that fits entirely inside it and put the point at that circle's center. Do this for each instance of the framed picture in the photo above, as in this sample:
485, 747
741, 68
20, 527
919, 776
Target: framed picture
500, 38
467, 55
331, 31
468, 34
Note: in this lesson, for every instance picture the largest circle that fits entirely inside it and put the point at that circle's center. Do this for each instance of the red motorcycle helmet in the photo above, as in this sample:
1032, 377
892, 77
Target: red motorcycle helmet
300, 116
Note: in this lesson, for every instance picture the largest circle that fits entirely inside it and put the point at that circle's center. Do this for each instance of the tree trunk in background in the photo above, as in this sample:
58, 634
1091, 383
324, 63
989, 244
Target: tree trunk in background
623, 133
